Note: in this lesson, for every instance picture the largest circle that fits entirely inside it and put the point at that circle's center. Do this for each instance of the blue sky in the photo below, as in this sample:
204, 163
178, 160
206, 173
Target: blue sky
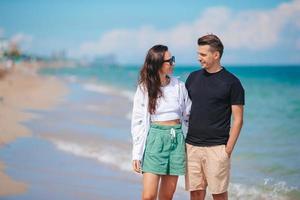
253, 32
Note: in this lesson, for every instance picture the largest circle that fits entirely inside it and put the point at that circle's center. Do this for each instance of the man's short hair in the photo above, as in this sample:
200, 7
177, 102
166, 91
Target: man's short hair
213, 41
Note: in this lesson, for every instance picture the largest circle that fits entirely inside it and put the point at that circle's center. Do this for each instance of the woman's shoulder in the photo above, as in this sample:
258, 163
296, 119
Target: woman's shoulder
141, 89
176, 80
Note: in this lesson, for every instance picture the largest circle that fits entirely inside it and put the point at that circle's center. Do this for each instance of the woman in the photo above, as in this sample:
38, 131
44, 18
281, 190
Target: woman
161, 104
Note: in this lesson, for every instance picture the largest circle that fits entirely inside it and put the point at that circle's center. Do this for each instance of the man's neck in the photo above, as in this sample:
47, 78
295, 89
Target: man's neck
215, 68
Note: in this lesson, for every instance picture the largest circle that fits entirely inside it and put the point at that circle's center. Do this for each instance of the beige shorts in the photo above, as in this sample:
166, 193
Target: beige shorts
207, 167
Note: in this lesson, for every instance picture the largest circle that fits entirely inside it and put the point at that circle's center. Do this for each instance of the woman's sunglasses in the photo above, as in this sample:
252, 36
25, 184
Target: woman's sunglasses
171, 61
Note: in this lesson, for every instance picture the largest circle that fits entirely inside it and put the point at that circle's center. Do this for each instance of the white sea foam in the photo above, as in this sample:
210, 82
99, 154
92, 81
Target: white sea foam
274, 191
107, 89
91, 107
238, 191
99, 88
72, 78
128, 94
120, 159
128, 115
108, 155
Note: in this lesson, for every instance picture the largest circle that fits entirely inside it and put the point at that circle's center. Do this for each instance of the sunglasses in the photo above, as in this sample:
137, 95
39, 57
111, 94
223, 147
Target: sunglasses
171, 61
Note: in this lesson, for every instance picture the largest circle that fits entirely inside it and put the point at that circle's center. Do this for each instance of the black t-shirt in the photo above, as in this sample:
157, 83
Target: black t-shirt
212, 95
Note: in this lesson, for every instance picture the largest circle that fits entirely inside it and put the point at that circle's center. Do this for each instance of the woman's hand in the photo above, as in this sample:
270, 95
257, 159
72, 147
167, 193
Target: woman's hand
136, 166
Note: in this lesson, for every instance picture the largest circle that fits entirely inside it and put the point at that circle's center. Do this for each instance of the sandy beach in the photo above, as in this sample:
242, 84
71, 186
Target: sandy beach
65, 134
22, 90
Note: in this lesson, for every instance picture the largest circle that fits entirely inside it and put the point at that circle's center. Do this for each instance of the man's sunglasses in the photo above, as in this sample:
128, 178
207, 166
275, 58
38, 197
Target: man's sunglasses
171, 61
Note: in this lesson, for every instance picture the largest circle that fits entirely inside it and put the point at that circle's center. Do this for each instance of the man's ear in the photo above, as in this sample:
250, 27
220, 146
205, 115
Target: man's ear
216, 55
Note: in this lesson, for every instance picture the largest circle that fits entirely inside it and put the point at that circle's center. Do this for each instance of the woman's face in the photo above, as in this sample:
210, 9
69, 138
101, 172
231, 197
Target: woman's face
168, 65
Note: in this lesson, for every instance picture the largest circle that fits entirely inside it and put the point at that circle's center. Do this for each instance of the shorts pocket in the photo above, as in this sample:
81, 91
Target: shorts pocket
178, 163
149, 141
155, 144
225, 153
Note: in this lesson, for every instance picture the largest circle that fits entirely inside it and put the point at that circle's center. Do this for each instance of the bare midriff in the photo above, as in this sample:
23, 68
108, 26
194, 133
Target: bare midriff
167, 123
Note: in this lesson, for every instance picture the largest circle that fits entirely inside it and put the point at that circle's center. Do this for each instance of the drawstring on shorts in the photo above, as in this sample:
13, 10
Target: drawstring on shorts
173, 136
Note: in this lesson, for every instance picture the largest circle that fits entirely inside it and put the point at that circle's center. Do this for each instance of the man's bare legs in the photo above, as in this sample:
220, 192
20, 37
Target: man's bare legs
198, 194
222, 196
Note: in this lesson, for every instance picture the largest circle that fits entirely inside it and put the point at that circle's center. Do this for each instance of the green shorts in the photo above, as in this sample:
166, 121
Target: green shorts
165, 150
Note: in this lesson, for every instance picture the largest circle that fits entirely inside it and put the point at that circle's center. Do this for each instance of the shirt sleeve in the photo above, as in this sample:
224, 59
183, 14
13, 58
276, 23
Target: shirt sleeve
187, 85
187, 104
138, 125
237, 94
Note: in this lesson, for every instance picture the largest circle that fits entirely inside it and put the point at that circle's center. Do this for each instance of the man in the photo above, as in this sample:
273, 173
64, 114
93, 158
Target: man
216, 94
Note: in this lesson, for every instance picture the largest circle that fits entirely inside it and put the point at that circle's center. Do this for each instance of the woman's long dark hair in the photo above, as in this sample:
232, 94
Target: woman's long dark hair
149, 74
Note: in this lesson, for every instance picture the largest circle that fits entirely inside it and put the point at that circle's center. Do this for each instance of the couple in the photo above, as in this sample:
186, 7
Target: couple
205, 103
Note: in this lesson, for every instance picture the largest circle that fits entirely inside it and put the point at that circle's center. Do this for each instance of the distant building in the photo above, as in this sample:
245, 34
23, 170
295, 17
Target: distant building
4, 45
58, 55
104, 60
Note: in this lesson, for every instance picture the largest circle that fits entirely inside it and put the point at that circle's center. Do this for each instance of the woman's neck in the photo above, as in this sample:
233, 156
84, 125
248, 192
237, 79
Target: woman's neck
164, 80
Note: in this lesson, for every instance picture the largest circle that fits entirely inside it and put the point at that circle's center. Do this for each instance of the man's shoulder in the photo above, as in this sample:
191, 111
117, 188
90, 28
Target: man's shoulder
194, 74
197, 72
230, 77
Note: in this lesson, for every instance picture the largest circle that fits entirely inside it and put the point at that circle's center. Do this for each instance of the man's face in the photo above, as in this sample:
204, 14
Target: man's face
206, 56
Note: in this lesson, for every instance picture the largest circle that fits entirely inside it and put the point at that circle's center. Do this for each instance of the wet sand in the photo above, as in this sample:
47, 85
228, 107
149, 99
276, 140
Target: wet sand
20, 92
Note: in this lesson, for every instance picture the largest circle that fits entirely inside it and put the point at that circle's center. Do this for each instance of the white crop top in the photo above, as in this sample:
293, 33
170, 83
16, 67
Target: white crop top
168, 106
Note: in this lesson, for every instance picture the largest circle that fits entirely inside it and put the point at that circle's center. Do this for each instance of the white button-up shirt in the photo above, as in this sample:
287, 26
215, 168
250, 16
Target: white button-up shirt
140, 122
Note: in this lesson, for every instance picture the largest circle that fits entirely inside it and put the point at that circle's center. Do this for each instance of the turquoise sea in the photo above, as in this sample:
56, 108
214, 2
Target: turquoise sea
266, 160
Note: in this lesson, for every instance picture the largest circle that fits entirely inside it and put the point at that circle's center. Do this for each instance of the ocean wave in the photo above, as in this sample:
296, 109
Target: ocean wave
120, 159
272, 191
107, 89
265, 191
72, 79
108, 154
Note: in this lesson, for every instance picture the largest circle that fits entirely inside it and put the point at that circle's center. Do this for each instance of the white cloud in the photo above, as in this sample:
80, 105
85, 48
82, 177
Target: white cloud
21, 38
252, 29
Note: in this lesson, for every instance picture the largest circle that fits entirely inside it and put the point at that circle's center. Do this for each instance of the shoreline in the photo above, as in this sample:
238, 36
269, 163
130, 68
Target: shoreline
22, 90
88, 129
8, 186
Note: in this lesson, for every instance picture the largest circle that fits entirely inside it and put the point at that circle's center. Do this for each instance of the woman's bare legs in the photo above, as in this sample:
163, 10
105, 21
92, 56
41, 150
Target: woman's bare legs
166, 190
150, 183
167, 187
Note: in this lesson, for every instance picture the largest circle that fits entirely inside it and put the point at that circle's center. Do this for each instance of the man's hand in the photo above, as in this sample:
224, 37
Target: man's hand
237, 113
228, 151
